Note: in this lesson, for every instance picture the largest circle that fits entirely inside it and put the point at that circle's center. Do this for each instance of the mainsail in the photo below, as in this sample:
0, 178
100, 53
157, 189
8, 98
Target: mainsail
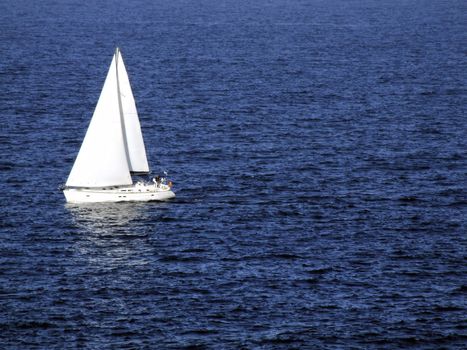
113, 145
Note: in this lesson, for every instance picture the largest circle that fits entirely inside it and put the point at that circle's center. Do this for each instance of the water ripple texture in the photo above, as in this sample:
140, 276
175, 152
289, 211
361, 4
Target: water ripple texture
318, 152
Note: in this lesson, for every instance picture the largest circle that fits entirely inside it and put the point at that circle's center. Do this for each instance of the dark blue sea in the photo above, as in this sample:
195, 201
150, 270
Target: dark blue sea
318, 151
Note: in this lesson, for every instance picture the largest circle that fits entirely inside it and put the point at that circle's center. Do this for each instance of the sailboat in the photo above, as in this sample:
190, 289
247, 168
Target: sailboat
113, 149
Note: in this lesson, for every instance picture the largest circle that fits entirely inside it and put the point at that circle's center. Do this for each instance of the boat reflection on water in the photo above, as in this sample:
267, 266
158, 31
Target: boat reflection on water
112, 234
105, 218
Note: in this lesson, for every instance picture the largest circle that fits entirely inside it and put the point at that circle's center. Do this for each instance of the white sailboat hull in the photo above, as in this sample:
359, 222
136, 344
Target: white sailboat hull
136, 193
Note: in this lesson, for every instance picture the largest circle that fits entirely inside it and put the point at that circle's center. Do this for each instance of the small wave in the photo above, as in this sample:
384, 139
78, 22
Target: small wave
319, 271
34, 325
286, 256
287, 213
123, 333
193, 347
460, 290
408, 199
167, 219
201, 331
285, 338
448, 308
460, 203
6, 166
194, 250
175, 258
307, 281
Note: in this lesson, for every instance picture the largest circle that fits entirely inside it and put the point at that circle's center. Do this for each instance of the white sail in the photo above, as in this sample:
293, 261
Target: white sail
137, 160
102, 159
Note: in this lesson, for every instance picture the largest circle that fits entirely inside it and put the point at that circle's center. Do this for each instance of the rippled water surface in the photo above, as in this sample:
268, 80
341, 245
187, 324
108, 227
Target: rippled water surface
318, 151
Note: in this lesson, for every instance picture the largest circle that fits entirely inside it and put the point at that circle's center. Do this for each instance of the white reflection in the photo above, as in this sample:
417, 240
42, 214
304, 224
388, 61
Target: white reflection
104, 218
114, 234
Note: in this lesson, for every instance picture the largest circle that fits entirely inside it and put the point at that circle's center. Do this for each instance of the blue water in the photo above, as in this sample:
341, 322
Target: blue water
318, 151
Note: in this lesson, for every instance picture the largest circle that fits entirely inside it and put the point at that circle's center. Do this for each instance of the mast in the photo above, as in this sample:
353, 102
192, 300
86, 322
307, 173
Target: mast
120, 108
